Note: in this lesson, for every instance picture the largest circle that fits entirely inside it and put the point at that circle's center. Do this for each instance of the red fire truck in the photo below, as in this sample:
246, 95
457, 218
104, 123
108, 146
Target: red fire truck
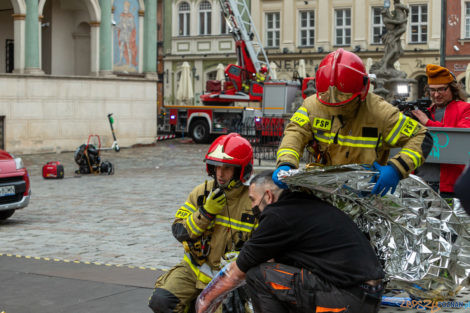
245, 82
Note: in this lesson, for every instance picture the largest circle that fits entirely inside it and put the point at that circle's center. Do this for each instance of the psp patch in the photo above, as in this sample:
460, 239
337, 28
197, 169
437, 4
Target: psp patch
182, 214
322, 123
409, 127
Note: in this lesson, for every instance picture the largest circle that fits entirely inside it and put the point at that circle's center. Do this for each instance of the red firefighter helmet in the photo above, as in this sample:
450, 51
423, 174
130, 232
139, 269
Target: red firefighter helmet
263, 69
345, 71
231, 149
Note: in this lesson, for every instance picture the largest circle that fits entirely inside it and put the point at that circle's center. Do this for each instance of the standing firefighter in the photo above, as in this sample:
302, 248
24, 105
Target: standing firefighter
349, 125
212, 224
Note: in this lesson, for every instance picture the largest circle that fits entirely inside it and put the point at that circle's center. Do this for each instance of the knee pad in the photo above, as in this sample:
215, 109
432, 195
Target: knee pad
163, 301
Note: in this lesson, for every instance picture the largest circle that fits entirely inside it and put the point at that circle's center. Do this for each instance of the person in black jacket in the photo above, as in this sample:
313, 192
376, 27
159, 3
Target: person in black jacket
320, 260
462, 189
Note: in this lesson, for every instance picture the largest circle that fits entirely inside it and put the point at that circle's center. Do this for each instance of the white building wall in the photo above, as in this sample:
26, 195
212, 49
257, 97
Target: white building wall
47, 114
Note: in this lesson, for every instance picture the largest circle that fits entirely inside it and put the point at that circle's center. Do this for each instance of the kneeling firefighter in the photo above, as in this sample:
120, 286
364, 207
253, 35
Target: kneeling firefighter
212, 224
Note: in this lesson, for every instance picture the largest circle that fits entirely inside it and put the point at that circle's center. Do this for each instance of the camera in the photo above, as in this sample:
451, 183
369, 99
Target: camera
407, 106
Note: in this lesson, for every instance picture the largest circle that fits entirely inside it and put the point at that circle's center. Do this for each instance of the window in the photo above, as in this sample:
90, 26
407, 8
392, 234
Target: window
378, 27
223, 24
343, 27
205, 18
419, 23
307, 28
467, 19
273, 31
183, 16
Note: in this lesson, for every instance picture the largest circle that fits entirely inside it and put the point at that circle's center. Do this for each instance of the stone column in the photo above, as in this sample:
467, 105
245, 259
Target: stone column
95, 48
19, 31
32, 61
106, 36
150, 38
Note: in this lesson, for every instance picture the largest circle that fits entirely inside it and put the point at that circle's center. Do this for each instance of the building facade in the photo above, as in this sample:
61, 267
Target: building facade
67, 63
196, 32
292, 30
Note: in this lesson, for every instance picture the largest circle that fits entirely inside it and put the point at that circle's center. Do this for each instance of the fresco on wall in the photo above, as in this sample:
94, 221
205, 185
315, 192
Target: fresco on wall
126, 36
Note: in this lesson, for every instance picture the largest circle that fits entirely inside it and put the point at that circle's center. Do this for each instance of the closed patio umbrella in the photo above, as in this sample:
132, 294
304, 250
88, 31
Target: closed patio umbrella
185, 84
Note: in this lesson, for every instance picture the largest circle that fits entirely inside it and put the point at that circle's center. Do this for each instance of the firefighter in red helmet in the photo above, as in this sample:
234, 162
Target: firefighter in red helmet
347, 125
212, 224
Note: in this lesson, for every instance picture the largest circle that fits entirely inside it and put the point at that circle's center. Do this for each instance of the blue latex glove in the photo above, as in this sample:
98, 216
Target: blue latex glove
276, 180
388, 177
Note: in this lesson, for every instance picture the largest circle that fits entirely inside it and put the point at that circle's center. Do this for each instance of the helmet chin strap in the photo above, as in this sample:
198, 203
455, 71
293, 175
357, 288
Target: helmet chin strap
233, 183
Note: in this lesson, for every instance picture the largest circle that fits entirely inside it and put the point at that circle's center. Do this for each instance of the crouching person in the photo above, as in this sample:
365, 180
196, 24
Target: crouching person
212, 224
322, 262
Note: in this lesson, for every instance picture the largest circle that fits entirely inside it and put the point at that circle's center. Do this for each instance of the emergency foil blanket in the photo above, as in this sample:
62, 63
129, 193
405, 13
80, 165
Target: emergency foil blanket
422, 242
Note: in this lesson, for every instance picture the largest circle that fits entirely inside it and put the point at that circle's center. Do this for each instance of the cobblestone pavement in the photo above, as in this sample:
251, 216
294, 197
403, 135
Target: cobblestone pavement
120, 219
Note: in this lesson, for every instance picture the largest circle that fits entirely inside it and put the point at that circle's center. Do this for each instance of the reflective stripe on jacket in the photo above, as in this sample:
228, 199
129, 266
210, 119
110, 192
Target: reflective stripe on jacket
359, 132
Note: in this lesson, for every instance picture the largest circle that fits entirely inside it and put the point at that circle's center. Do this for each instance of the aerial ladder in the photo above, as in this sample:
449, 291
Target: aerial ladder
244, 80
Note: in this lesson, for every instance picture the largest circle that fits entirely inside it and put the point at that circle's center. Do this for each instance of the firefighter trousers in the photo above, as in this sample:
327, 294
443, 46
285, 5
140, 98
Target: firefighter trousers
176, 290
278, 288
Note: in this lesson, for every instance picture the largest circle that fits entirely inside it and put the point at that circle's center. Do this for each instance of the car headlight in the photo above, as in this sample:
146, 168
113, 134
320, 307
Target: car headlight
19, 163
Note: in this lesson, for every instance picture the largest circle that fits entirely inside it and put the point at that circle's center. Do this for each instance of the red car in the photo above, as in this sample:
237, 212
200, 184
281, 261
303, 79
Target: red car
15, 188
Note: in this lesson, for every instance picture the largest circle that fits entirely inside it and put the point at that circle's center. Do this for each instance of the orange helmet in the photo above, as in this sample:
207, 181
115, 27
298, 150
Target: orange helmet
231, 149
344, 71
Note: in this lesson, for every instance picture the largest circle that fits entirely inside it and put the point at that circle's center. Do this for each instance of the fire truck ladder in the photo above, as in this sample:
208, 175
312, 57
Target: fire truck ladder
242, 27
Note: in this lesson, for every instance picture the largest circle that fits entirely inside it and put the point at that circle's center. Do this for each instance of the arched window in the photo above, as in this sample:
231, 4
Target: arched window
205, 18
183, 19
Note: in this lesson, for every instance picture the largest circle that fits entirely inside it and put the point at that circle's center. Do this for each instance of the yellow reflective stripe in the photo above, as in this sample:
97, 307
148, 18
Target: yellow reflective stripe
200, 275
189, 206
282, 152
193, 226
234, 221
415, 156
395, 132
238, 225
350, 141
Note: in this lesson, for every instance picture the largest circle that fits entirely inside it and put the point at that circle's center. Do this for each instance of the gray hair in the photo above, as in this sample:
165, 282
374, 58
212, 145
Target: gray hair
264, 179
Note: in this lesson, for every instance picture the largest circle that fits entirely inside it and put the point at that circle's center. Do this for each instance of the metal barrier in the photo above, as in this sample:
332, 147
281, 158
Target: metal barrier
265, 135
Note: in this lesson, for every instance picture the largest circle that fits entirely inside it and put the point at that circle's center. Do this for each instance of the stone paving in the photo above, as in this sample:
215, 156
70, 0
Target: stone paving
121, 219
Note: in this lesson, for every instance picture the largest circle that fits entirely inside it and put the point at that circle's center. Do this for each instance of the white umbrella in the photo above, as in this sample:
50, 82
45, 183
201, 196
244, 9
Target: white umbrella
301, 69
273, 72
185, 87
369, 63
220, 72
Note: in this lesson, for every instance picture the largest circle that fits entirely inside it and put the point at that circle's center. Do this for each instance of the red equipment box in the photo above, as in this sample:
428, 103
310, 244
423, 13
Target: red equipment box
53, 170
213, 86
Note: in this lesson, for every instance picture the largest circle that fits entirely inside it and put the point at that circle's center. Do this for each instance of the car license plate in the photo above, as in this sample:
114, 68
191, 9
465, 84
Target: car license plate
7, 191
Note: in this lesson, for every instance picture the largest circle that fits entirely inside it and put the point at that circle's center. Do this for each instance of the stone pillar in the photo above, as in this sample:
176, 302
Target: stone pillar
19, 31
106, 39
95, 48
150, 38
32, 62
